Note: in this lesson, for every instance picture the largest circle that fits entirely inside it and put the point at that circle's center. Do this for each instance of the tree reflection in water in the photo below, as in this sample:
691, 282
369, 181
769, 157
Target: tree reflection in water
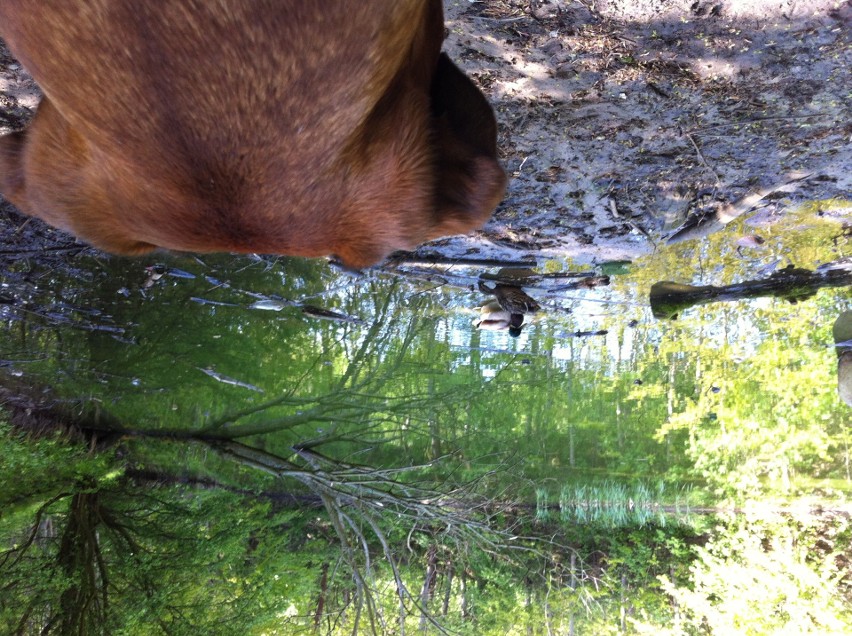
239, 465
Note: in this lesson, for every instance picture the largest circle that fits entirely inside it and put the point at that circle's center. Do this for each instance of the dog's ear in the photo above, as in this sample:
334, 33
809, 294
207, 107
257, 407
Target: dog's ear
469, 180
461, 105
11, 168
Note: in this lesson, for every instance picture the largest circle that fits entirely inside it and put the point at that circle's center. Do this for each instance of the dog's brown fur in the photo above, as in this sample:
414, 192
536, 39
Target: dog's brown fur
302, 127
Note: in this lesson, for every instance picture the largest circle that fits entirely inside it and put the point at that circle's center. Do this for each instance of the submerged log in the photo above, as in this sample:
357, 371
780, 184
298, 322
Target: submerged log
842, 332
422, 259
668, 298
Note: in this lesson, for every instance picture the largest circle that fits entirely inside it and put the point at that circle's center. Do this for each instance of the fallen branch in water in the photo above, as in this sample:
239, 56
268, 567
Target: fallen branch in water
668, 298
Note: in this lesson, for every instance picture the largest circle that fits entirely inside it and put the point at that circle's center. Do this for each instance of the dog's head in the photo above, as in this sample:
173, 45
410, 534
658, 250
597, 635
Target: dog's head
295, 127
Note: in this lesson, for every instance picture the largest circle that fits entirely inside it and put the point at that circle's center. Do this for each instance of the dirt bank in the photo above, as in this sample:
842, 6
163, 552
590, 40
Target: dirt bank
618, 119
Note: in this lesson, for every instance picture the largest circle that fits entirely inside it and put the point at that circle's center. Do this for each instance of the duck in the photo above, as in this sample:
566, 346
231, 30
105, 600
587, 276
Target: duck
493, 317
511, 298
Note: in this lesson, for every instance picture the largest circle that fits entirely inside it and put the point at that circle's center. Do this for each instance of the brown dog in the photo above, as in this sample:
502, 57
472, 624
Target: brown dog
302, 127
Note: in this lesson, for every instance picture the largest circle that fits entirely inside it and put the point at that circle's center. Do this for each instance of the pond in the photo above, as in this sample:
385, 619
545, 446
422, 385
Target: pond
599, 448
